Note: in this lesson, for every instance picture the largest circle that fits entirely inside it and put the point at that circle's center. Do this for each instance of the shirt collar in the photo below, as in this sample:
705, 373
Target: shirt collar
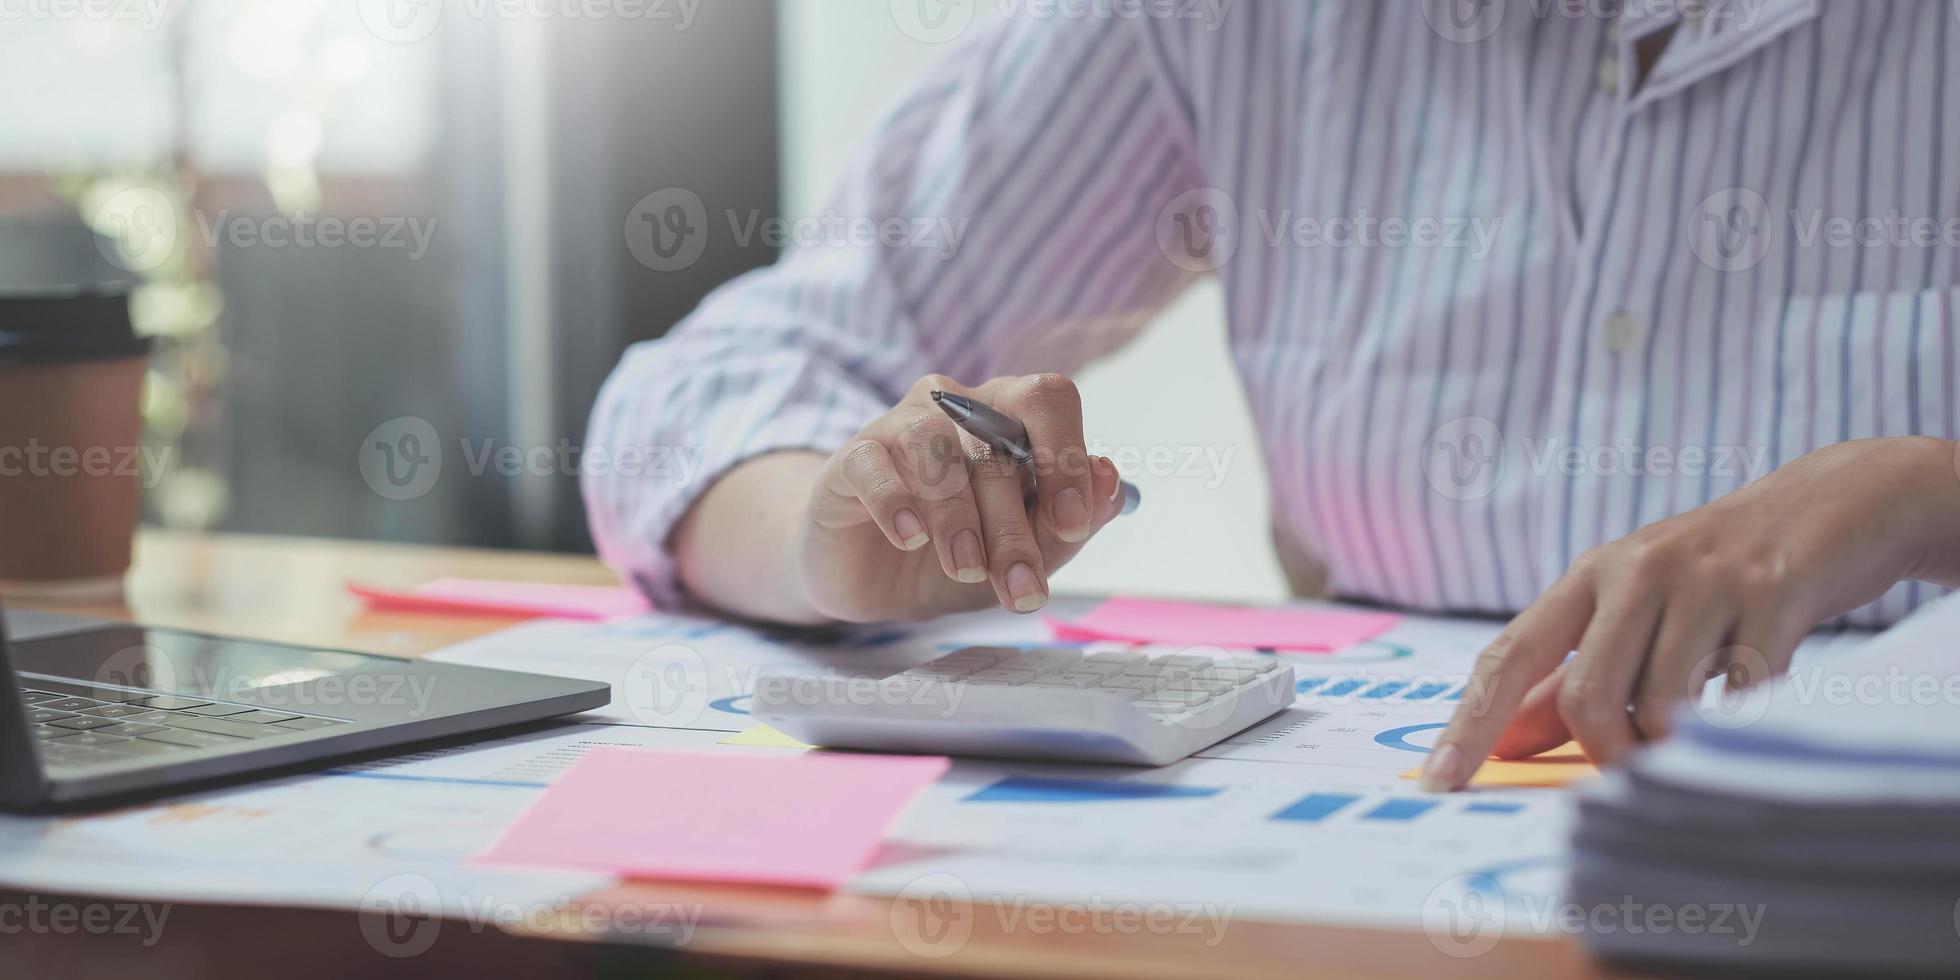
1711, 36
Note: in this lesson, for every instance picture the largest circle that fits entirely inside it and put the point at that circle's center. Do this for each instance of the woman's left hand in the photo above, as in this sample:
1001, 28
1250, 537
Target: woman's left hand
1731, 587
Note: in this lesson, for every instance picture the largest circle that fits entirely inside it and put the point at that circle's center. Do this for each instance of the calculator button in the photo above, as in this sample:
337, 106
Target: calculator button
1176, 697
1042, 660
1100, 668
943, 670
1185, 660
1067, 679
1002, 676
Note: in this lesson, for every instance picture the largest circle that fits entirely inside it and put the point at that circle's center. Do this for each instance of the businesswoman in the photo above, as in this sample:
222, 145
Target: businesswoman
1636, 326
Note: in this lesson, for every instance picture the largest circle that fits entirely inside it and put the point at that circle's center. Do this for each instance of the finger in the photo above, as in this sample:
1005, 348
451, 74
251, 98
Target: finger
1691, 637
1014, 560
1526, 651
1106, 488
863, 471
1105, 495
1536, 727
1598, 686
932, 461
1050, 406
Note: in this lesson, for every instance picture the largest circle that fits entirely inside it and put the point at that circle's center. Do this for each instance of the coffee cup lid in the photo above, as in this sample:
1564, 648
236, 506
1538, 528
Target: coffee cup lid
63, 324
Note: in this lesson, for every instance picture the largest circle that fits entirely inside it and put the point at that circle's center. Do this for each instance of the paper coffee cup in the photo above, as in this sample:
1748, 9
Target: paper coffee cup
71, 428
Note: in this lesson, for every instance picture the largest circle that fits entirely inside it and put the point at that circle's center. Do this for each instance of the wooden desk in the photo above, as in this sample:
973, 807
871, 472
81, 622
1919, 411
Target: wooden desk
291, 589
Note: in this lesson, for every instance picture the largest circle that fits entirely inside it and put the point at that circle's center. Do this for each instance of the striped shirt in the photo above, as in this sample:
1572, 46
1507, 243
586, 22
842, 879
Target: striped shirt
1495, 297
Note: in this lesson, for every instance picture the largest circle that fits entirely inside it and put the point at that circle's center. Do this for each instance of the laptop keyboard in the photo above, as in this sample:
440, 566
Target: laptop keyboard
123, 725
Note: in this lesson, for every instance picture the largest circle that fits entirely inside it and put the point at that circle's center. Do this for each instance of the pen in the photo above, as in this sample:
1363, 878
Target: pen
1006, 436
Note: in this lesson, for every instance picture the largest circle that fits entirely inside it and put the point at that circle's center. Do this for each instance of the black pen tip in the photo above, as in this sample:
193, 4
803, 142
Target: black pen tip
938, 396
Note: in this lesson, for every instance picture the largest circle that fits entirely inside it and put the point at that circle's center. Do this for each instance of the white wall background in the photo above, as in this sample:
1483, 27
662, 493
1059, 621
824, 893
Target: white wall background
1206, 536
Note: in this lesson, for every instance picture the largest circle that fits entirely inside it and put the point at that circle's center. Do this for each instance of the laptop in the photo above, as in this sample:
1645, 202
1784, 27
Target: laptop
93, 712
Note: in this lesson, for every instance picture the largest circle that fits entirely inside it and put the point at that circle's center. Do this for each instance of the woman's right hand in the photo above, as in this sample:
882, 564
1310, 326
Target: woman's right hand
914, 518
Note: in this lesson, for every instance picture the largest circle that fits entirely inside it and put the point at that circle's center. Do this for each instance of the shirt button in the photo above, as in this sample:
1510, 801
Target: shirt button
1609, 75
1622, 333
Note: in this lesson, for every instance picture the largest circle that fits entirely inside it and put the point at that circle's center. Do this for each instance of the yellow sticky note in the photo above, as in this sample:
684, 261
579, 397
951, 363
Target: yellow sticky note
764, 736
1553, 768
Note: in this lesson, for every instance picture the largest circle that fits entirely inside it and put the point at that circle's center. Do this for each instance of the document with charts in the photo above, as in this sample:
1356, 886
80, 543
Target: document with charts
1305, 816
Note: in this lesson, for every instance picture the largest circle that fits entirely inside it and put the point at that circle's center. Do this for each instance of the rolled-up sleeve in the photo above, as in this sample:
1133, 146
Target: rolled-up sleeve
1003, 220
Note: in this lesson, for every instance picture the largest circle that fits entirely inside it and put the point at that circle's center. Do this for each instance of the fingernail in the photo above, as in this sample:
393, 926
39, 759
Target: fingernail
1108, 468
1025, 588
1439, 773
1071, 516
911, 530
970, 561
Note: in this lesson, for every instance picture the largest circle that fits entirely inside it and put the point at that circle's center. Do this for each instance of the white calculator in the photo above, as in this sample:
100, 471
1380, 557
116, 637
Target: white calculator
1061, 703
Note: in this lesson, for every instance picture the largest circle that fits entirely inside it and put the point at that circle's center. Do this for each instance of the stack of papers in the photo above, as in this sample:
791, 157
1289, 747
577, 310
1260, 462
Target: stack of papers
1814, 823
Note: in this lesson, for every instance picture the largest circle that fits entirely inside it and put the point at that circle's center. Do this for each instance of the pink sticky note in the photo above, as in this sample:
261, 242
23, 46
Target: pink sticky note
468, 596
809, 820
1203, 624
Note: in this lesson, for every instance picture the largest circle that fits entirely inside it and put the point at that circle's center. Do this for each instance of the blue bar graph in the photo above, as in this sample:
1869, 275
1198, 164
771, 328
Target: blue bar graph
1400, 810
1424, 692
1342, 688
1306, 684
1035, 789
1383, 690
1321, 807
1315, 807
